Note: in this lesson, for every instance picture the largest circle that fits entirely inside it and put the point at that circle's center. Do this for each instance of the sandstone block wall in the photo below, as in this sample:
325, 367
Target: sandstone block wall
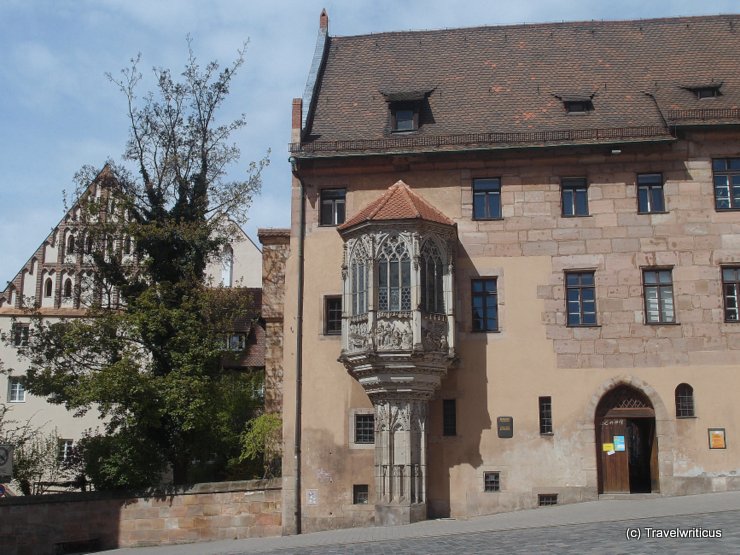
228, 510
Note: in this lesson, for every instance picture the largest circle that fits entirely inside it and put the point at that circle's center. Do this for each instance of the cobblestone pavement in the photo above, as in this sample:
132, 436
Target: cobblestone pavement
592, 527
603, 538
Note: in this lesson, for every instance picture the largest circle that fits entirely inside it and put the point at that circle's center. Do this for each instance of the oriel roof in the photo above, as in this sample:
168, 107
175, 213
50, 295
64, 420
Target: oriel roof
399, 202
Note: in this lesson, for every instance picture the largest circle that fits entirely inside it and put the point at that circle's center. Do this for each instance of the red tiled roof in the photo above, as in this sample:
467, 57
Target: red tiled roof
399, 202
505, 85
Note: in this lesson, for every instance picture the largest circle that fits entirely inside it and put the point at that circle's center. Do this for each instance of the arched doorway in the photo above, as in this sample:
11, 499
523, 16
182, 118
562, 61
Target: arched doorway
626, 442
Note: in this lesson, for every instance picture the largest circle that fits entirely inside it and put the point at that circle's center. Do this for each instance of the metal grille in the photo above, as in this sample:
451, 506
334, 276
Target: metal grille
545, 415
364, 428
545, 499
684, 401
491, 481
478, 139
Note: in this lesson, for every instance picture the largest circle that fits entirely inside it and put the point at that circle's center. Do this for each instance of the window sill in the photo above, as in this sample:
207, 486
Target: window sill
662, 323
482, 332
582, 325
488, 219
686, 417
330, 225
652, 212
736, 209
575, 215
17, 402
547, 434
332, 335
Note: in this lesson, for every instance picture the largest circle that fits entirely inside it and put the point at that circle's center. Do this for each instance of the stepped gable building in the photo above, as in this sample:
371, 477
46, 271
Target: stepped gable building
57, 282
516, 258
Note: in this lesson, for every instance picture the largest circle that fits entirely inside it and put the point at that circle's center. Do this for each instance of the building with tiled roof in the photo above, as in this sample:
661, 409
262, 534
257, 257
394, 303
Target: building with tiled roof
516, 269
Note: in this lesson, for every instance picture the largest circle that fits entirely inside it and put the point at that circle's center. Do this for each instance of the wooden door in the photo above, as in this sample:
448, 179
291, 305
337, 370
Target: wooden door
614, 467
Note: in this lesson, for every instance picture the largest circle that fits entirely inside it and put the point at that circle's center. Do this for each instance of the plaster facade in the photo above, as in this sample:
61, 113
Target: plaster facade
499, 456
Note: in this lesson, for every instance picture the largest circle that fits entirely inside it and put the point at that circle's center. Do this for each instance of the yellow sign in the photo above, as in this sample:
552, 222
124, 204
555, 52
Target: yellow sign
608, 447
717, 438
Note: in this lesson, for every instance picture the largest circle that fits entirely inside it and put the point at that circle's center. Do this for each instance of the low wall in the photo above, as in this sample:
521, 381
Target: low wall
76, 522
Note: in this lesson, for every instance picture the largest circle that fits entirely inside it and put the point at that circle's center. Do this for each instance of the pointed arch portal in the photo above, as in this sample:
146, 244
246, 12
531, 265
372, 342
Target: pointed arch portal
626, 442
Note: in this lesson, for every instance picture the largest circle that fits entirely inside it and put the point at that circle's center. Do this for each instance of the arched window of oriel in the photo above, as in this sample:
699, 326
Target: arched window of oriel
684, 401
432, 278
227, 267
394, 275
358, 276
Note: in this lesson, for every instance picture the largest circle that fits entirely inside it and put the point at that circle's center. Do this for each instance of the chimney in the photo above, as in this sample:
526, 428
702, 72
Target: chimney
324, 21
295, 136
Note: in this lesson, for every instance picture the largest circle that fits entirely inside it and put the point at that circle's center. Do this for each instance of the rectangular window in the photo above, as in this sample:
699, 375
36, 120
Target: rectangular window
332, 206
332, 315
546, 415
658, 290
20, 334
491, 481
64, 449
580, 291
16, 390
726, 183
484, 301
360, 494
545, 499
730, 292
364, 428
650, 197
236, 342
487, 199
574, 192
449, 417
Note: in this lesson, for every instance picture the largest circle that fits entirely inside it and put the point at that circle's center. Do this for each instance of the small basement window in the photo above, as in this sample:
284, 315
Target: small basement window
546, 499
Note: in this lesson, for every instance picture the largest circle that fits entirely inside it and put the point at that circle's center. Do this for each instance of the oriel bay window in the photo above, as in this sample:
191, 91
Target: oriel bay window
358, 276
432, 279
394, 276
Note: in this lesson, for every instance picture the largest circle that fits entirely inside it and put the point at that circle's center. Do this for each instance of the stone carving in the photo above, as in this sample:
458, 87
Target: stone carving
434, 335
358, 335
393, 335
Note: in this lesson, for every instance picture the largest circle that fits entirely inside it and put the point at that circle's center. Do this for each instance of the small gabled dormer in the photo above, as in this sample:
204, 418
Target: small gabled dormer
576, 103
406, 110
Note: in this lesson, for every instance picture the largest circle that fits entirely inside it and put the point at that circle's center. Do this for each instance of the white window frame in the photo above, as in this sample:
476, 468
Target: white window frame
16, 390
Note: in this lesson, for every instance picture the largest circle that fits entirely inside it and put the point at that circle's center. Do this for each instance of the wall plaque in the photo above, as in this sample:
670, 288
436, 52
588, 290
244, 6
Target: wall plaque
505, 425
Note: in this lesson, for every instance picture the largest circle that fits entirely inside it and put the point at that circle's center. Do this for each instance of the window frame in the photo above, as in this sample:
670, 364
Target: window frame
332, 318
488, 188
485, 295
359, 430
576, 185
492, 481
360, 494
659, 287
333, 197
581, 288
240, 343
414, 107
64, 449
545, 415
16, 389
730, 170
650, 187
21, 333
736, 286
684, 398
449, 417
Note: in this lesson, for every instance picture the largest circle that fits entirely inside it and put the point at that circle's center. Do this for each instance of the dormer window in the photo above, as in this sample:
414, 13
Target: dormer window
709, 91
405, 110
578, 106
405, 119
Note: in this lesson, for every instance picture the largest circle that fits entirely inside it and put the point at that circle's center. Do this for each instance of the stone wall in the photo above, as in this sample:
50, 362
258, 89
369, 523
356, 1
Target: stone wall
275, 249
86, 521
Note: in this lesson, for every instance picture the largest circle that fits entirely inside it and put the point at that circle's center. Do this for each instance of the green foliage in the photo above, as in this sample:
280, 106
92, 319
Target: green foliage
148, 353
262, 440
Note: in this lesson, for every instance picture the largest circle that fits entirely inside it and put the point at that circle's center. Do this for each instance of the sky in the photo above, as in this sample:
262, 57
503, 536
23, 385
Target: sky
59, 111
